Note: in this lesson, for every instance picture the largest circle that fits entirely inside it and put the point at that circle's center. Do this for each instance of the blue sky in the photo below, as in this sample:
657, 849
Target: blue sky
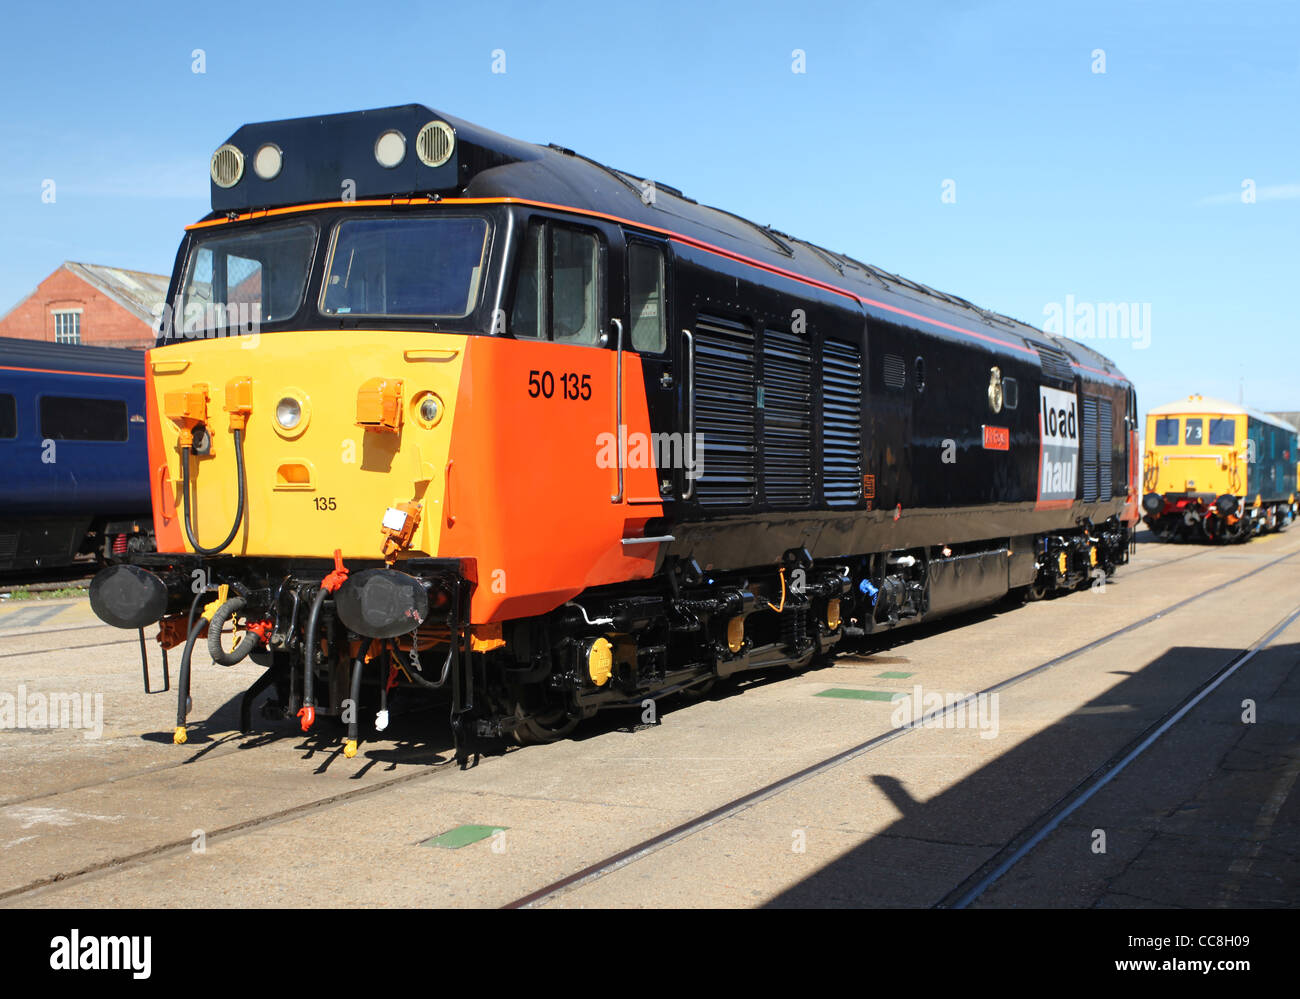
1116, 187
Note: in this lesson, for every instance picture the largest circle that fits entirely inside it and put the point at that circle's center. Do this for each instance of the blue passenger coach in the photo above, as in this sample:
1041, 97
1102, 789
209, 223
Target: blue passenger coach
73, 467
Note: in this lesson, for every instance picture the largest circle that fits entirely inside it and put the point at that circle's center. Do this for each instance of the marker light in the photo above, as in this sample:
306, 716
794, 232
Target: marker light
268, 161
390, 149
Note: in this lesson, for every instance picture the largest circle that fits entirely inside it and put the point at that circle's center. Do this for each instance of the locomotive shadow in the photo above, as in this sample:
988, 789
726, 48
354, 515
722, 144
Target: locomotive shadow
941, 847
418, 734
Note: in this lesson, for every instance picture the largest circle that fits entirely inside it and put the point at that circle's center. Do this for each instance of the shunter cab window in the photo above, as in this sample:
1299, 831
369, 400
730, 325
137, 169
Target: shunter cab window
1223, 432
425, 267
645, 282
65, 418
8, 418
556, 290
236, 281
1167, 433
1192, 433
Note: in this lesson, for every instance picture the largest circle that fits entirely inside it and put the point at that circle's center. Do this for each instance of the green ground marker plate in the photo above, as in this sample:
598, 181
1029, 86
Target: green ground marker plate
860, 695
894, 676
454, 839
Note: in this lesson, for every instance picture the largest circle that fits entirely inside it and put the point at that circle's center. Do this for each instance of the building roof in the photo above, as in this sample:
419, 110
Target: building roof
138, 291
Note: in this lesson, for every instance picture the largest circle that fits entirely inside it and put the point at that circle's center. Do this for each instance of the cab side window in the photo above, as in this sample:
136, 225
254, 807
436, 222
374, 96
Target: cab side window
557, 287
645, 285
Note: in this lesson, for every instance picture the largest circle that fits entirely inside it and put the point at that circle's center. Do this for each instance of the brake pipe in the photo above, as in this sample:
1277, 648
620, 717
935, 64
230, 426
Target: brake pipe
416, 677
186, 451
358, 664
332, 581
196, 625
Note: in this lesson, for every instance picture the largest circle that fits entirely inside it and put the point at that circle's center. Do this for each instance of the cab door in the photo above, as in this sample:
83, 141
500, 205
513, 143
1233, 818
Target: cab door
648, 333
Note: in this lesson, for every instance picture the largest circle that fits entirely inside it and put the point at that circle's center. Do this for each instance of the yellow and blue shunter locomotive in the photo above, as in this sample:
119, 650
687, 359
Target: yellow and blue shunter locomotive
1215, 471
435, 408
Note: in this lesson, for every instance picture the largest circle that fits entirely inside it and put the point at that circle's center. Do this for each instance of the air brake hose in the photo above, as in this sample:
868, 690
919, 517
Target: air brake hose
308, 710
332, 581
196, 624
185, 498
242, 648
350, 747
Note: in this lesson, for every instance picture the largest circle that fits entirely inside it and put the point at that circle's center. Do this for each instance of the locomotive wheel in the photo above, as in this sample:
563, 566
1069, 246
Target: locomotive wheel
534, 729
700, 690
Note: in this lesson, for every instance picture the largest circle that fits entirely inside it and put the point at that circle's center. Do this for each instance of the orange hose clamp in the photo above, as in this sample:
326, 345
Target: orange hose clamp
239, 402
379, 405
187, 409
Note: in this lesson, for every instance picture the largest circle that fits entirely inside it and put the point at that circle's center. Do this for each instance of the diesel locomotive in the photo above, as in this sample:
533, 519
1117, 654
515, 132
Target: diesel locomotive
1214, 471
432, 407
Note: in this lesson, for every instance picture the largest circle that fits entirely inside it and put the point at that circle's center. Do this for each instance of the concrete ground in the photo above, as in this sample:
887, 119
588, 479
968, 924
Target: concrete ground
1208, 817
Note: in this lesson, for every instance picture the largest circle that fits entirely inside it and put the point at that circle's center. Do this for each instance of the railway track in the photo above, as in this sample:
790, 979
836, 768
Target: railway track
651, 845
631, 855
1019, 846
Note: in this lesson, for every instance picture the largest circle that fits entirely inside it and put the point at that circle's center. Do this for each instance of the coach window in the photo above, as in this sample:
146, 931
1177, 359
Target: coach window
645, 277
65, 418
1167, 432
8, 418
556, 288
1192, 433
1223, 432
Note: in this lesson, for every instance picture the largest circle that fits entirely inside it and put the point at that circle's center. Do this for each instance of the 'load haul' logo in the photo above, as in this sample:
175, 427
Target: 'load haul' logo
1058, 464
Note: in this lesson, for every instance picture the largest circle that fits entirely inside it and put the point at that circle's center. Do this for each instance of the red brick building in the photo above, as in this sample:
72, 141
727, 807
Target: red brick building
90, 304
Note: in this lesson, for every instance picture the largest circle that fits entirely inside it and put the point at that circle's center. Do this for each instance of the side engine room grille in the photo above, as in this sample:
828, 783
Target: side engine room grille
787, 420
842, 423
725, 411
1089, 456
1105, 448
895, 371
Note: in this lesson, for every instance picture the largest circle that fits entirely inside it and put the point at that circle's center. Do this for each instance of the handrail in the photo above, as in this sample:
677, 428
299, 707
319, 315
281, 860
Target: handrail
618, 410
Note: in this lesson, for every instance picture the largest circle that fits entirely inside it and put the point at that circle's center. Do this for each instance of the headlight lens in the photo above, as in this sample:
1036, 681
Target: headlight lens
288, 412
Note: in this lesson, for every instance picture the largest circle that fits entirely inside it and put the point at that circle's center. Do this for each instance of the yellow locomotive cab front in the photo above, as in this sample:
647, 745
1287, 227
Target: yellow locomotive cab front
350, 443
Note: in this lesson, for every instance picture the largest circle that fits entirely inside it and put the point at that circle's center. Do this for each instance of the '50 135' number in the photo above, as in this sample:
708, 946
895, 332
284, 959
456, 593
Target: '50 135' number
572, 386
